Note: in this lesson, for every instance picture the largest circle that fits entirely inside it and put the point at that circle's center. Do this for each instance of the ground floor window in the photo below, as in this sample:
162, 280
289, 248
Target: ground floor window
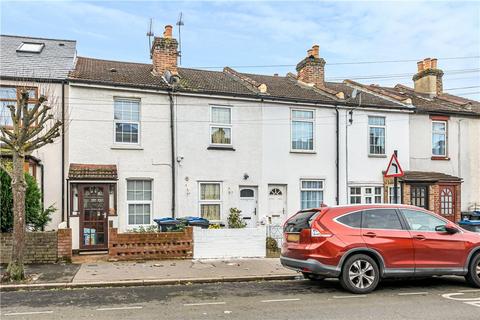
210, 202
391, 193
367, 195
139, 201
311, 193
419, 196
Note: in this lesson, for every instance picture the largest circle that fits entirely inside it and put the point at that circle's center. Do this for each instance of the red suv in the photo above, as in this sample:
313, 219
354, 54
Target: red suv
362, 244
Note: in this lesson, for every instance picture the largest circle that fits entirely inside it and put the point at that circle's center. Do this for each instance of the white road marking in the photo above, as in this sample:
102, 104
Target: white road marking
411, 293
279, 300
202, 304
119, 308
27, 313
471, 290
349, 297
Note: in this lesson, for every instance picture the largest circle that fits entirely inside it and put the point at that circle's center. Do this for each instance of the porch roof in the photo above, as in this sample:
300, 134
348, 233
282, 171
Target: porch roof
422, 176
81, 171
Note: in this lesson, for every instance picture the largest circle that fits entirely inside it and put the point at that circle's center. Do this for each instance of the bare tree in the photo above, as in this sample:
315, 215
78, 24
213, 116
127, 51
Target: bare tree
31, 129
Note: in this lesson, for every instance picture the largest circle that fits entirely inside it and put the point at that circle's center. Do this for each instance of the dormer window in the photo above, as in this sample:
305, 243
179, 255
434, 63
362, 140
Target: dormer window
31, 47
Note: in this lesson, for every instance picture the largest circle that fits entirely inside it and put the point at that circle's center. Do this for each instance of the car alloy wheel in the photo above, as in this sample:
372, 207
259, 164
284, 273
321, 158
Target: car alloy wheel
478, 269
362, 274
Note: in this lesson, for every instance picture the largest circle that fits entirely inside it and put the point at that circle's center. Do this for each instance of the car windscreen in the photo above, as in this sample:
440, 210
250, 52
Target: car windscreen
300, 221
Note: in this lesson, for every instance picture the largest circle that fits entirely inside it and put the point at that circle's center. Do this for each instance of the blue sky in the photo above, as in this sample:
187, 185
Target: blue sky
254, 33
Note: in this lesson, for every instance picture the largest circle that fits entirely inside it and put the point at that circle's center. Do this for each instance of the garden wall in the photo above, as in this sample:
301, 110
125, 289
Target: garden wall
40, 247
229, 243
150, 245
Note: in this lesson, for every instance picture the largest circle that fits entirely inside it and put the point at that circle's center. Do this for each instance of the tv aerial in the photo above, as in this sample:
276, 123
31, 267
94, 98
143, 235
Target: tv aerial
180, 24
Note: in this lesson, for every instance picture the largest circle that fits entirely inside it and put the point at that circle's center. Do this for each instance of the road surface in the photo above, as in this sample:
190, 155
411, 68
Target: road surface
436, 298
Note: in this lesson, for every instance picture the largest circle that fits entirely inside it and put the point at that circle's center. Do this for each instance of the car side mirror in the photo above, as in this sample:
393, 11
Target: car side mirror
446, 228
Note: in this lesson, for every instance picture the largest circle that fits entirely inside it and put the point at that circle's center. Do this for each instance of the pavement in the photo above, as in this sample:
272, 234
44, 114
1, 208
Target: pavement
426, 299
102, 273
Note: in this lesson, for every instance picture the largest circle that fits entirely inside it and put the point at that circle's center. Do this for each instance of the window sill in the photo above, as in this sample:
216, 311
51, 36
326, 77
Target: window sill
304, 151
126, 147
440, 158
377, 155
225, 148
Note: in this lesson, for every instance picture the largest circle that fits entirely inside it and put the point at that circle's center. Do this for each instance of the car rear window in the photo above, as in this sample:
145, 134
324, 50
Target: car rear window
300, 221
353, 219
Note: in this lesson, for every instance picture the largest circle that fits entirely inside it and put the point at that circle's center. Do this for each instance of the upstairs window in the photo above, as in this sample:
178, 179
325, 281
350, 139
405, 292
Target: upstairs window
221, 126
439, 138
303, 122
127, 121
376, 129
31, 47
9, 96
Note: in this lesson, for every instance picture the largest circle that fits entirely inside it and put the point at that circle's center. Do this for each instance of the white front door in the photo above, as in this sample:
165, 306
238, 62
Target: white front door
248, 205
277, 204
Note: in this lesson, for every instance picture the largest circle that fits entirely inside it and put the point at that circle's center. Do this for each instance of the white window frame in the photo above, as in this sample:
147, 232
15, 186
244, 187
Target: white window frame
292, 119
115, 121
220, 125
446, 138
27, 47
322, 189
384, 127
128, 202
364, 195
200, 201
391, 197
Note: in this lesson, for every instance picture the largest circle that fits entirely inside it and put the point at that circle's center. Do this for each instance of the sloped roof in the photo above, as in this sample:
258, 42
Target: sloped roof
80, 171
53, 62
423, 176
227, 82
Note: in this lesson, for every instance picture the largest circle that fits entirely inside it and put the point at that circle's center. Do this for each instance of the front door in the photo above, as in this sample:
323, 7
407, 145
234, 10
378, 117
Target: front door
93, 207
248, 205
277, 204
433, 249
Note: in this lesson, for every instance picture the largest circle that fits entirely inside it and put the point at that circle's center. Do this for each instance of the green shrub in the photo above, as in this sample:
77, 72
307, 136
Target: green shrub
235, 220
36, 217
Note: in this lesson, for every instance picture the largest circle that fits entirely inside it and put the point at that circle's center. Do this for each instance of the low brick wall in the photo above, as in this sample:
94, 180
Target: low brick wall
150, 245
40, 247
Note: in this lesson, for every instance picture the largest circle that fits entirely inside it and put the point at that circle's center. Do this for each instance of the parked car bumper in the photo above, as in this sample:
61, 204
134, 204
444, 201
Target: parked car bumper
310, 265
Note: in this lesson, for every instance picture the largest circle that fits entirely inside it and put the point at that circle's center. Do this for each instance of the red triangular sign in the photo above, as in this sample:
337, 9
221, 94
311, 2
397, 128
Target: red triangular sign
394, 169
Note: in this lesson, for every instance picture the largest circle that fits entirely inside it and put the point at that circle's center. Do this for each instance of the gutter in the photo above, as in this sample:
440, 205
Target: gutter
337, 159
63, 155
172, 145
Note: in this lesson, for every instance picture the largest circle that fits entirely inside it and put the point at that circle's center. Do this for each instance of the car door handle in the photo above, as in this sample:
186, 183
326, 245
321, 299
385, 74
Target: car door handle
370, 234
419, 237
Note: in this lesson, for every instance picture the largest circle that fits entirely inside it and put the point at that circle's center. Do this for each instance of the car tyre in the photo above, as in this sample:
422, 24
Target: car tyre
360, 274
312, 276
473, 275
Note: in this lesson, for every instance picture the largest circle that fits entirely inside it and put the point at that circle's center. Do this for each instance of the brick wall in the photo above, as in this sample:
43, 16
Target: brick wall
150, 245
40, 247
64, 245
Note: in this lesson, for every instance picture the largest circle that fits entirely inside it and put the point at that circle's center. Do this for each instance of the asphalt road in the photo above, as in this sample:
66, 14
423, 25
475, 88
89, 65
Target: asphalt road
437, 298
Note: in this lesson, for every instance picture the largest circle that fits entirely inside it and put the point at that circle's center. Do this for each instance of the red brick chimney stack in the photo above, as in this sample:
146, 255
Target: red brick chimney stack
164, 53
311, 68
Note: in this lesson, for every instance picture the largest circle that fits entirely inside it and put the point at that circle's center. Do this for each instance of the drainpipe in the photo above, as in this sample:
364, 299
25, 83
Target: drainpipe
42, 185
338, 155
63, 155
172, 144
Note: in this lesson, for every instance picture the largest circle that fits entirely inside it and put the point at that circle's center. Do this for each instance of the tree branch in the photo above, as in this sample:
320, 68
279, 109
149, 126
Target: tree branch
5, 169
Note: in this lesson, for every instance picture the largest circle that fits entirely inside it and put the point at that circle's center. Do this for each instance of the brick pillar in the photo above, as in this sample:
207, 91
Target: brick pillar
112, 239
64, 244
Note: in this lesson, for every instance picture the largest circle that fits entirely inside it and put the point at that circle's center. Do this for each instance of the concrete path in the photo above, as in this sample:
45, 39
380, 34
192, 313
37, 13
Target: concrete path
180, 269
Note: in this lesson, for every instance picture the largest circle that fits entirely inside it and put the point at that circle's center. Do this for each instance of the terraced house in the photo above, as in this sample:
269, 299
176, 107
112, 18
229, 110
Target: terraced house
157, 140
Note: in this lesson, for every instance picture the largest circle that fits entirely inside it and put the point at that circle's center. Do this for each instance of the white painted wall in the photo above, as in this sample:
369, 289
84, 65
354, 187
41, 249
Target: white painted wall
463, 151
229, 243
91, 134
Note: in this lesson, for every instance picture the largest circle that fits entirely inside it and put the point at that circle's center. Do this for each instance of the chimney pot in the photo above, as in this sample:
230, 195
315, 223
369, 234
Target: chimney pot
427, 63
316, 51
434, 63
420, 66
309, 52
168, 31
